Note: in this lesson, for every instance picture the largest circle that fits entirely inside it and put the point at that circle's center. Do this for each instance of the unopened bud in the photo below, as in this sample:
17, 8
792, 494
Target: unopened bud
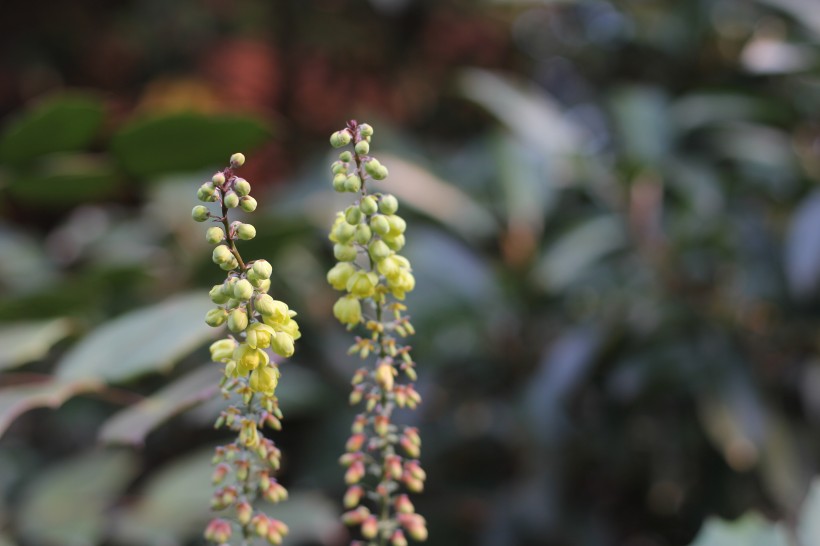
220, 472
346, 156
216, 317
368, 205
363, 234
244, 512
355, 443
222, 254
262, 268
381, 424
355, 472
243, 290
370, 526
339, 182
353, 183
247, 203
237, 160
397, 539
214, 235
344, 253
218, 179
388, 204
353, 496
340, 138
365, 130
353, 215
356, 517
246, 232
200, 213
362, 147
237, 320
379, 250
231, 200
384, 376
379, 224
242, 187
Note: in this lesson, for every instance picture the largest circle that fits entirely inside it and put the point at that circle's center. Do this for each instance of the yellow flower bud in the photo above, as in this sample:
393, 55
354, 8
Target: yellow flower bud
346, 156
237, 320
247, 203
282, 344
353, 183
214, 235
274, 309
200, 213
338, 276
368, 205
344, 253
401, 283
397, 224
206, 192
348, 310
222, 254
258, 335
217, 295
242, 187
362, 147
379, 250
384, 376
246, 232
229, 265
394, 242
344, 232
243, 290
237, 160
379, 224
262, 268
248, 358
353, 215
264, 379
216, 317
388, 204
222, 350
363, 234
362, 284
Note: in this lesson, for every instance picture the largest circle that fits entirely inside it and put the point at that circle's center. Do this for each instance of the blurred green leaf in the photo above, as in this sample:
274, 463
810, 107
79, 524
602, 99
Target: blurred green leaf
750, 530
802, 248
58, 124
184, 142
6, 541
808, 524
24, 342
66, 504
64, 179
131, 425
146, 340
19, 399
642, 116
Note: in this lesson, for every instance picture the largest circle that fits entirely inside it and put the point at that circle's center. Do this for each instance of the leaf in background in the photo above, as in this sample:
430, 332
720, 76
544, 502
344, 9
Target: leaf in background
66, 504
803, 11
172, 504
642, 117
131, 425
808, 523
57, 124
30, 269
147, 340
19, 399
703, 109
65, 179
24, 342
6, 541
184, 142
802, 248
750, 530
577, 251
783, 471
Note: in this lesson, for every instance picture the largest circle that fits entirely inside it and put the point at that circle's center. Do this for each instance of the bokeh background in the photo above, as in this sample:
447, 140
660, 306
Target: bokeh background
613, 221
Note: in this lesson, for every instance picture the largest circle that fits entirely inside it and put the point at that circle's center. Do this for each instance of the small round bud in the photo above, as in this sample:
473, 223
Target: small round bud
243, 290
237, 320
340, 138
214, 235
362, 147
365, 130
229, 265
247, 203
372, 166
346, 156
379, 250
216, 317
353, 183
344, 232
218, 179
380, 174
339, 182
344, 253
242, 187
380, 225
395, 243
217, 295
363, 234
222, 254
231, 200
262, 269
282, 344
397, 224
338, 168
246, 232
388, 204
368, 205
353, 215
206, 192
200, 213
237, 160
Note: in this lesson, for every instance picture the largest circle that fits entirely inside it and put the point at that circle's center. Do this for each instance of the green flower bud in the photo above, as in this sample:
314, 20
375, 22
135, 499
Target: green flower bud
388, 204
346, 156
247, 203
229, 265
362, 284
380, 225
340, 138
339, 182
395, 243
217, 295
339, 274
218, 179
264, 286
353, 183
269, 307
216, 317
262, 268
397, 224
338, 168
206, 192
372, 166
237, 160
381, 173
344, 253
282, 344
237, 320
344, 232
362, 147
365, 130
200, 213
214, 235
242, 187
222, 350
353, 215
246, 232
363, 234
222, 254
379, 250
368, 205
348, 310
243, 290
231, 200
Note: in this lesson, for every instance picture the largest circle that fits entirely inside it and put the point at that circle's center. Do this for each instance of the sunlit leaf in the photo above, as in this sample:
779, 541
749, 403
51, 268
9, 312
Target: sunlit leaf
133, 424
22, 342
66, 504
19, 399
143, 341
176, 143
58, 124
750, 530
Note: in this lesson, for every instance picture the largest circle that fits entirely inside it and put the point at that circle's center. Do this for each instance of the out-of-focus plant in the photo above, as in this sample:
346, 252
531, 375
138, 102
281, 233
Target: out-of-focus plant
382, 455
244, 466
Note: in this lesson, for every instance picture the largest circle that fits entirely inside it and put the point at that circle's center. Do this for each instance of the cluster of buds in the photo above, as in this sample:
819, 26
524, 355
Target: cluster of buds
257, 322
381, 456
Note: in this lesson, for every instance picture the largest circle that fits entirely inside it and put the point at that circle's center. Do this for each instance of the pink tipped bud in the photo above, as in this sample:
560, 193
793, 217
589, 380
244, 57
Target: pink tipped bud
359, 376
403, 505
353, 496
412, 434
228, 496
273, 536
218, 530
280, 526
397, 539
275, 492
244, 512
220, 472
413, 394
370, 527
409, 447
355, 517
355, 443
259, 525
381, 424
401, 395
349, 458
412, 484
358, 424
264, 480
384, 376
242, 470
356, 396
415, 525
355, 473
415, 470
392, 467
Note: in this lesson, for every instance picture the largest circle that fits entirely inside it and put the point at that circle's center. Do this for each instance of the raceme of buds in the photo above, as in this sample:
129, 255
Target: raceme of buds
368, 236
258, 323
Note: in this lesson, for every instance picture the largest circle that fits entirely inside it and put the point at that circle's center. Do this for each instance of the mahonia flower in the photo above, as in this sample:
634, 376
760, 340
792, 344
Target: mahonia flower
381, 456
257, 322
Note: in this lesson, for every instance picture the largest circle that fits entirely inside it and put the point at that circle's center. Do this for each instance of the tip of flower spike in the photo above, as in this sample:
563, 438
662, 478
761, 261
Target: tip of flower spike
237, 160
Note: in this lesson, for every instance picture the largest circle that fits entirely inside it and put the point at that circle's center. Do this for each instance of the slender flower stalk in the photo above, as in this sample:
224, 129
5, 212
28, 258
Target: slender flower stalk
381, 456
244, 468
